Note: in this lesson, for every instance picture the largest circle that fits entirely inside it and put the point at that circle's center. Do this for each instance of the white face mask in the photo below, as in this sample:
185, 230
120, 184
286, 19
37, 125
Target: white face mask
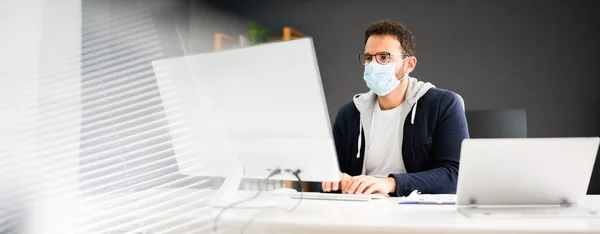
381, 79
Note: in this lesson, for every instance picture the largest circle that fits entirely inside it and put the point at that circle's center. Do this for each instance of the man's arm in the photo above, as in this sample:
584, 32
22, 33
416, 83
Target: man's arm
338, 138
338, 134
451, 130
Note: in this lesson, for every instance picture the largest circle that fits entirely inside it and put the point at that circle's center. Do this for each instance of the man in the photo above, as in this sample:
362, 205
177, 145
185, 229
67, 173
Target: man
402, 148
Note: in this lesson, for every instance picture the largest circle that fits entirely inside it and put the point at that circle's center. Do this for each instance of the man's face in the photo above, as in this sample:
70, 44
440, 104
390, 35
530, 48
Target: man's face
386, 43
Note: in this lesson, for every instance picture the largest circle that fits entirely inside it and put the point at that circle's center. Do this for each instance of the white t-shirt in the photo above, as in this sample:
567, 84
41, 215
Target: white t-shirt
384, 148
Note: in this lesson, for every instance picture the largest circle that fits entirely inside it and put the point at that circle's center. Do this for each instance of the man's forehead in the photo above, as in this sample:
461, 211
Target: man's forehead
382, 43
378, 49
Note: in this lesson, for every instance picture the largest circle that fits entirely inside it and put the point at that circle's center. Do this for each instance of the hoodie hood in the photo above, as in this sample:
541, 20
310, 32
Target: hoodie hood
365, 103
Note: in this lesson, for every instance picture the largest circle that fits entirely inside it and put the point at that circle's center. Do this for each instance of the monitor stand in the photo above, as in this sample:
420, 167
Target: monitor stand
228, 192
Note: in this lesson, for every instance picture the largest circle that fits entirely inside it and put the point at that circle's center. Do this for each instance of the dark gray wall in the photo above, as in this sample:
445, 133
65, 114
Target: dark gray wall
543, 56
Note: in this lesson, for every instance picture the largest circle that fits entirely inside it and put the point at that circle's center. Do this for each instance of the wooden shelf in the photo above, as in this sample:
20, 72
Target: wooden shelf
288, 34
220, 38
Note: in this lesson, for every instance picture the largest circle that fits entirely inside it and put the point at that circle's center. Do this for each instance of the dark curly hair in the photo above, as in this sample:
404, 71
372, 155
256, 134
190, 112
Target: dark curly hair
396, 29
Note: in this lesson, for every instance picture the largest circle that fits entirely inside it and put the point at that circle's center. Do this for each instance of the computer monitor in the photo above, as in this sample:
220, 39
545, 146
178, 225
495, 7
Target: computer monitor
246, 112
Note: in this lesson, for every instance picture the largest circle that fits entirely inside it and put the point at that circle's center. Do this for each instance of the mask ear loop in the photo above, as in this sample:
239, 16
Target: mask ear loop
406, 73
408, 56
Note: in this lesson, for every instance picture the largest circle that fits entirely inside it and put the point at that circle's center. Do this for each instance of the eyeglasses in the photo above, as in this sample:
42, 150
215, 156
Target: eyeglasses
382, 58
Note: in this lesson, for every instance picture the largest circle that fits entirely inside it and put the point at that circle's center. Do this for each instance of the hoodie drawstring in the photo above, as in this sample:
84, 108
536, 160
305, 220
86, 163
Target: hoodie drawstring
414, 111
359, 137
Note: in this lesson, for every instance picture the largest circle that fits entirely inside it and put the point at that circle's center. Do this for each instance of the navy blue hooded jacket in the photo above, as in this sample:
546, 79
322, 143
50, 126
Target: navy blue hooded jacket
431, 143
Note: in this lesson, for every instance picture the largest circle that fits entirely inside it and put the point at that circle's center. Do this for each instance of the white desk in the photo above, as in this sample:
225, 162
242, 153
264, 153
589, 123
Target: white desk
183, 212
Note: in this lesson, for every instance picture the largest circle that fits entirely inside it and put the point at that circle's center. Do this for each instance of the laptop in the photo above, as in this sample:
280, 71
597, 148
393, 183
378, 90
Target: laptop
526, 176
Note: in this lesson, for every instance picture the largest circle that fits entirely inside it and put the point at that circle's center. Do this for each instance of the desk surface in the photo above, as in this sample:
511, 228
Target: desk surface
388, 216
183, 211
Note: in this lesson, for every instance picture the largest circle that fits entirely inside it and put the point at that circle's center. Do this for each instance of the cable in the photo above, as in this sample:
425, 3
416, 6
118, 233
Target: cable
295, 173
215, 224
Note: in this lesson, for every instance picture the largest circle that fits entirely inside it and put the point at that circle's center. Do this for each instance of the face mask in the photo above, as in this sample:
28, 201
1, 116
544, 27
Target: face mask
381, 79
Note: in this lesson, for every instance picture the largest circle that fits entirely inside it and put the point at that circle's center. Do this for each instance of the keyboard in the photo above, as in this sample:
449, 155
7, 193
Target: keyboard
337, 196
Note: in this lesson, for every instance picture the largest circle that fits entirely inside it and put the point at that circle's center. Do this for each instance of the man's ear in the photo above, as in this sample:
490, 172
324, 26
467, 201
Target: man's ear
412, 63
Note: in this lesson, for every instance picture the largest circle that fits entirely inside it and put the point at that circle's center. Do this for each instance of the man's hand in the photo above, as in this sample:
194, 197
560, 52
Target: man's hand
368, 185
335, 186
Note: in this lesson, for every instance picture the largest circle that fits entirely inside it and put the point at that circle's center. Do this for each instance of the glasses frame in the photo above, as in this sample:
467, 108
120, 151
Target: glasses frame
376, 59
